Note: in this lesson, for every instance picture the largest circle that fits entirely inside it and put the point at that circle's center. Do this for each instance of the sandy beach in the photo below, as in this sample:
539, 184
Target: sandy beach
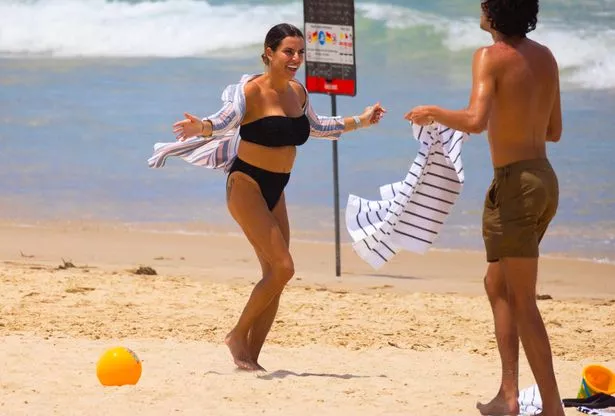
413, 338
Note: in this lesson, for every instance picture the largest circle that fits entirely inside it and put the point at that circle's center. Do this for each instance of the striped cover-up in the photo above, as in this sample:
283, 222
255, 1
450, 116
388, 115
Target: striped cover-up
219, 150
411, 212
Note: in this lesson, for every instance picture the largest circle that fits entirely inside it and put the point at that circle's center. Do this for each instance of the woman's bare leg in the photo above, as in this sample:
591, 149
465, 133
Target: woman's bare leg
262, 325
247, 206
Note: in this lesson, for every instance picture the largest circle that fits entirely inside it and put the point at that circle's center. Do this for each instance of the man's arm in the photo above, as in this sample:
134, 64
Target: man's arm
474, 118
554, 130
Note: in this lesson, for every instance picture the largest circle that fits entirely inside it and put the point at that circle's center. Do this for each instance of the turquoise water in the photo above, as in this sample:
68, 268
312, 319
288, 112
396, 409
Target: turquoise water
87, 87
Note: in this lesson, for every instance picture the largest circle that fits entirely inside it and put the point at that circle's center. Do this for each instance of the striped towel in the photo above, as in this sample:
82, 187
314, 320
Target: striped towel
220, 150
412, 212
598, 412
530, 404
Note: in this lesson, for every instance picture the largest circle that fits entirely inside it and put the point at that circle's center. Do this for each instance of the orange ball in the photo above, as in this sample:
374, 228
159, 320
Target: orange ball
118, 366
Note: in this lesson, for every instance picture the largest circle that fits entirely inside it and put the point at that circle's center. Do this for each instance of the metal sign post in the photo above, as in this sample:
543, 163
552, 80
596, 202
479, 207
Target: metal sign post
331, 69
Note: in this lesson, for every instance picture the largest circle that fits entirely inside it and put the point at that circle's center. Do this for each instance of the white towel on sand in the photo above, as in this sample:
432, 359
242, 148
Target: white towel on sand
530, 403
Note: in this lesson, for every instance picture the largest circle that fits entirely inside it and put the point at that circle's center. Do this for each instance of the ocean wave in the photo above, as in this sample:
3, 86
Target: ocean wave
97, 28
179, 28
586, 55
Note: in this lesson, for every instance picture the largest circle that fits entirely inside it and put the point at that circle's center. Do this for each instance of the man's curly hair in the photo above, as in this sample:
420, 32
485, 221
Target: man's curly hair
511, 17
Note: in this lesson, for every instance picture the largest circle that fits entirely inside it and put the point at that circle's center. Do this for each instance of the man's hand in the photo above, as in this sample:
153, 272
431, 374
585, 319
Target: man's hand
422, 115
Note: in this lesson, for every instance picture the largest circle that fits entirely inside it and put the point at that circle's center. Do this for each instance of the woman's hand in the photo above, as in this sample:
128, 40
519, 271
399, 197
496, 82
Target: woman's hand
421, 115
189, 127
372, 115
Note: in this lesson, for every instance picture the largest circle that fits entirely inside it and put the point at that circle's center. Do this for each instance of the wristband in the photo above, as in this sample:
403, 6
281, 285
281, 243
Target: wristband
357, 121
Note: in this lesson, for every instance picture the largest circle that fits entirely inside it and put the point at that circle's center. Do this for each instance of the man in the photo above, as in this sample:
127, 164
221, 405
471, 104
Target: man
515, 94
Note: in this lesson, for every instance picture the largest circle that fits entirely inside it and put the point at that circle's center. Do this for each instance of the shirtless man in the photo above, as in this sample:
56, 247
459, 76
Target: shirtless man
515, 94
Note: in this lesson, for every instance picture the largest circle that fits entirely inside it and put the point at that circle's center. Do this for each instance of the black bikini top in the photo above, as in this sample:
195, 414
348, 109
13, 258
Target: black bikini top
276, 131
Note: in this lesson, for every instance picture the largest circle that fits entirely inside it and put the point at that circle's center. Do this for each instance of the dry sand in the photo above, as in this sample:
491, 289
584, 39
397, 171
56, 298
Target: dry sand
413, 338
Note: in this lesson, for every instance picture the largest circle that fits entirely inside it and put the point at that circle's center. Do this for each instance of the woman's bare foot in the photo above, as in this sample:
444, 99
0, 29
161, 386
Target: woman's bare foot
240, 352
501, 405
254, 355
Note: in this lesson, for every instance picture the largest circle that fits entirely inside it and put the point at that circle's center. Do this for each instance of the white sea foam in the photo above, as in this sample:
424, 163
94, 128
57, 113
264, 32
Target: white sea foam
97, 28
586, 55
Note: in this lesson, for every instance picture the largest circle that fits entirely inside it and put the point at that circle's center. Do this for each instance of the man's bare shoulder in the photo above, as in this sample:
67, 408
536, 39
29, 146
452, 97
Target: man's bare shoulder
486, 57
545, 49
544, 54
488, 54
502, 52
483, 52
539, 45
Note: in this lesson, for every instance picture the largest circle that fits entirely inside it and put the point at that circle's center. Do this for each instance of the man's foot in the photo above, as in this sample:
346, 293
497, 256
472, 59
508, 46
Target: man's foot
239, 351
501, 405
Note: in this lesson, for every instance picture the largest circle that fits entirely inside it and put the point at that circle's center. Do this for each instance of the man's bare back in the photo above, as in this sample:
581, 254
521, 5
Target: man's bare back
515, 95
525, 112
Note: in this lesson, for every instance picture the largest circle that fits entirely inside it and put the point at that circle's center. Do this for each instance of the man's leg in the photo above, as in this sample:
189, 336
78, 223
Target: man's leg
520, 275
506, 400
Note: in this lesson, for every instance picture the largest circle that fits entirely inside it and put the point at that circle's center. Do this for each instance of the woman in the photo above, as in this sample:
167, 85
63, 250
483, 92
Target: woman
274, 116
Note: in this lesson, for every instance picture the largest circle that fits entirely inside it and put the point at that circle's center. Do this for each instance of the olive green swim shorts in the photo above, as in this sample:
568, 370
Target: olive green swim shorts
519, 205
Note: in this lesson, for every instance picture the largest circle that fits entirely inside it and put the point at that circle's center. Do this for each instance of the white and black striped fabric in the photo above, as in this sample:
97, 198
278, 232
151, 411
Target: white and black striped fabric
412, 212
530, 404
598, 412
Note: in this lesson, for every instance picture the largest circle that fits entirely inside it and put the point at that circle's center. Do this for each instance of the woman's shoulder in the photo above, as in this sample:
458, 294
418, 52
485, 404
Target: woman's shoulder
252, 91
299, 89
242, 88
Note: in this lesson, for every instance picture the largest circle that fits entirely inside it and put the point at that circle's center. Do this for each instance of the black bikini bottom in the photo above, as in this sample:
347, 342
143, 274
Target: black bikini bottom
272, 184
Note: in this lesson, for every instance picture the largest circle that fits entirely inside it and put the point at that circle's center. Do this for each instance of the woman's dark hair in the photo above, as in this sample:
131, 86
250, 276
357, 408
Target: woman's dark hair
511, 17
277, 34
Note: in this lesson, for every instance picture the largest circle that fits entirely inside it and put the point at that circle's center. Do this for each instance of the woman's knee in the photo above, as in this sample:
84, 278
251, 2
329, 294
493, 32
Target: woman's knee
283, 269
